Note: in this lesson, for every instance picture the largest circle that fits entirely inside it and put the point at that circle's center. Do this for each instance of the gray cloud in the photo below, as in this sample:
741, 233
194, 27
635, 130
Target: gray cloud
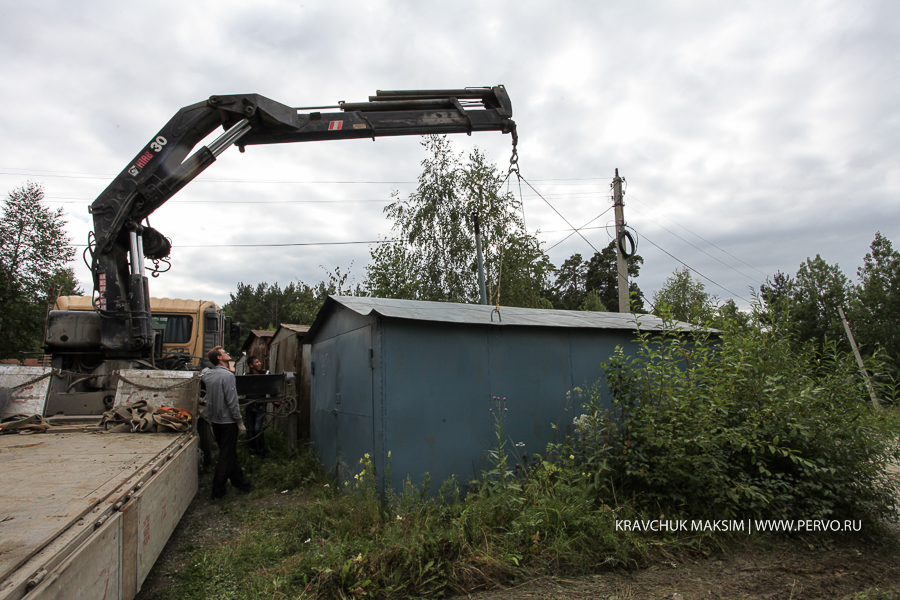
768, 128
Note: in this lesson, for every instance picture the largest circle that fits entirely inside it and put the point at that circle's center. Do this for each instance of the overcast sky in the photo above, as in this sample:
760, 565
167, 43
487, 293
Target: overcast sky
751, 134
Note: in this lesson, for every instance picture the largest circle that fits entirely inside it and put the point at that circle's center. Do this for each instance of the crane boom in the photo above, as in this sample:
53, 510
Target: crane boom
164, 166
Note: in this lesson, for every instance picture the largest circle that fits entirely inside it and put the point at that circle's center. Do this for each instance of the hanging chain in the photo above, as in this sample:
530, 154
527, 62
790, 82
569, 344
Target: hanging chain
116, 374
514, 159
36, 379
187, 382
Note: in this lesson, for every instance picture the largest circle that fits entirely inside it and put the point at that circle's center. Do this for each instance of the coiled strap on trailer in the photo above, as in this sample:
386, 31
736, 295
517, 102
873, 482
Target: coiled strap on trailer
142, 417
24, 424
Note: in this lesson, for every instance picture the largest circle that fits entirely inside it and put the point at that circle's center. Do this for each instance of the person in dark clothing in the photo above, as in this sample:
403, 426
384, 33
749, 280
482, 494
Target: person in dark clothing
256, 413
224, 415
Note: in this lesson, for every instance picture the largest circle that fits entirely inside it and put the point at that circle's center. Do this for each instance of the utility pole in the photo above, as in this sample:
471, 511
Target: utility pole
621, 261
480, 257
859, 360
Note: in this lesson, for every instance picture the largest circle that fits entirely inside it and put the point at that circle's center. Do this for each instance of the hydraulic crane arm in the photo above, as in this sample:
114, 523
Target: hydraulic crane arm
163, 167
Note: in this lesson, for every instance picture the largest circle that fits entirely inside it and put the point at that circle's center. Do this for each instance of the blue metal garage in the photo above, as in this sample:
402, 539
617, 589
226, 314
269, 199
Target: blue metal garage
417, 379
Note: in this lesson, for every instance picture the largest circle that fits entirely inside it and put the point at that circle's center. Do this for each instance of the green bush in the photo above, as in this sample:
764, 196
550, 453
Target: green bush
740, 423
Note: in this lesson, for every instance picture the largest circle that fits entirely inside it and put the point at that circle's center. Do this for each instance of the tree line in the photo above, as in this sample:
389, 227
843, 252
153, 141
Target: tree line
431, 255
433, 258
34, 262
810, 300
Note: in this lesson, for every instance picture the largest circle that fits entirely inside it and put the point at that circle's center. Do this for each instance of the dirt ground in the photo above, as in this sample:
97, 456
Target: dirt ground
789, 569
786, 570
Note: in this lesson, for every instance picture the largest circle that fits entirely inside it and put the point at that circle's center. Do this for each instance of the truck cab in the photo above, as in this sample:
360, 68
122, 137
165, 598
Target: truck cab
184, 331
187, 327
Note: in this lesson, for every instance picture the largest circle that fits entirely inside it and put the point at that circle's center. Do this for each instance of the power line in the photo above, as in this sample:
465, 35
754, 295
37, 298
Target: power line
603, 179
694, 270
580, 228
559, 213
696, 248
359, 201
585, 226
108, 176
271, 245
285, 245
574, 230
704, 239
81, 200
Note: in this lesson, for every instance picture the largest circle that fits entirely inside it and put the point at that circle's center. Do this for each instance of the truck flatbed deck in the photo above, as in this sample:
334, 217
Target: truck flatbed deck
85, 515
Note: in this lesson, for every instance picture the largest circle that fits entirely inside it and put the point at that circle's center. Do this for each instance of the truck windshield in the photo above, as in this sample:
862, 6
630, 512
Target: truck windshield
175, 329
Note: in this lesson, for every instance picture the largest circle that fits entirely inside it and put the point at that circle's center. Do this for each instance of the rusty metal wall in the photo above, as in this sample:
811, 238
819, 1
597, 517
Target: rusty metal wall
259, 349
284, 352
286, 356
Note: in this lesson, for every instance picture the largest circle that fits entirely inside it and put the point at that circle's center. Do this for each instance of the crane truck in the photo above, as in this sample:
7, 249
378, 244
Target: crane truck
84, 514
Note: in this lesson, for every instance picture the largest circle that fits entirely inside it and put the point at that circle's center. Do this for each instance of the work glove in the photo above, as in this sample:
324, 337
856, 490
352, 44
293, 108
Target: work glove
242, 430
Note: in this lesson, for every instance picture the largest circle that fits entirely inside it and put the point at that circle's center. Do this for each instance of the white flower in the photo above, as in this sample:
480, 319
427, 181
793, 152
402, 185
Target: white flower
582, 424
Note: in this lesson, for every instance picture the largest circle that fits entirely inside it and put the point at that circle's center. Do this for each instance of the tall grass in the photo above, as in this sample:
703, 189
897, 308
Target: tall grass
747, 424
412, 543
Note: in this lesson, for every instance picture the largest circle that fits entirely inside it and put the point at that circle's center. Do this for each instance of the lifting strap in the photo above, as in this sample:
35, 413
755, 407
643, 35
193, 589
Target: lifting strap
24, 424
142, 417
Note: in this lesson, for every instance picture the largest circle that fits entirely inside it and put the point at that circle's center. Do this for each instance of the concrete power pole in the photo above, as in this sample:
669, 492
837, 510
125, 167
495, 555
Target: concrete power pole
621, 261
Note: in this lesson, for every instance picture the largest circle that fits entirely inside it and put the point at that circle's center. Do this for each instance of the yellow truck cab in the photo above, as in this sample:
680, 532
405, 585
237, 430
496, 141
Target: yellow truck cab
190, 326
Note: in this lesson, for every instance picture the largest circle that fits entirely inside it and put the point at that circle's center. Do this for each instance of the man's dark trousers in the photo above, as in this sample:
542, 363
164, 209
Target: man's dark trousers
226, 435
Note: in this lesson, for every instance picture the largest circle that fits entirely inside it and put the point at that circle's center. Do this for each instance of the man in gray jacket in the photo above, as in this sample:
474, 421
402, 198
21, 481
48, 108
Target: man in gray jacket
224, 414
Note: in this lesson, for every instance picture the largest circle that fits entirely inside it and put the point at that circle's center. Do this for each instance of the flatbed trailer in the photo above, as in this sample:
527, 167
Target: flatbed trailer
85, 514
